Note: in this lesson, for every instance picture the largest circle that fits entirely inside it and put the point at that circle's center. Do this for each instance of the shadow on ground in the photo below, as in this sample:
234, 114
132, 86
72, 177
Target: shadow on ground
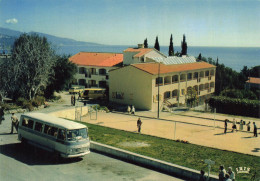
31, 155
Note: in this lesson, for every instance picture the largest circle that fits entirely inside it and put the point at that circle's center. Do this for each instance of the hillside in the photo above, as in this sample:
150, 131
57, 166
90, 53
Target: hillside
8, 36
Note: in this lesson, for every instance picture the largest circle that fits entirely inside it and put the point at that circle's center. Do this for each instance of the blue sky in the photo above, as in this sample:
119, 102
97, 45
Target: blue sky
233, 23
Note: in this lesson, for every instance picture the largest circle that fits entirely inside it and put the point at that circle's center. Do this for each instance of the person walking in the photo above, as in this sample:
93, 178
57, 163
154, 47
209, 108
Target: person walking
255, 129
222, 173
139, 124
231, 174
248, 126
133, 110
225, 126
14, 123
2, 114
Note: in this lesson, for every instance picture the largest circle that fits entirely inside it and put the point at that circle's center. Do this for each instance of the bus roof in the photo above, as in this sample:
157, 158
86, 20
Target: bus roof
60, 122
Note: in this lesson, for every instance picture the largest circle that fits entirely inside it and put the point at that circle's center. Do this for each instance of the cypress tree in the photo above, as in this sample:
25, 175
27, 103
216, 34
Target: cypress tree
199, 57
156, 45
145, 43
171, 49
184, 46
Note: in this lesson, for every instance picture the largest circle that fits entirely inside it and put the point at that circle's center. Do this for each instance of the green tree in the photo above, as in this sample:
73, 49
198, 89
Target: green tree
63, 72
184, 46
29, 67
156, 45
145, 43
171, 49
199, 57
192, 97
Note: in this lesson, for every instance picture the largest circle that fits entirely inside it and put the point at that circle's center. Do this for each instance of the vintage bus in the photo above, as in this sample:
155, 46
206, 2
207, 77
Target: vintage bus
66, 138
93, 93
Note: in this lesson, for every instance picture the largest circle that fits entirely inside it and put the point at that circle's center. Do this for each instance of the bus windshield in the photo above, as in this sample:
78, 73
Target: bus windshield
76, 134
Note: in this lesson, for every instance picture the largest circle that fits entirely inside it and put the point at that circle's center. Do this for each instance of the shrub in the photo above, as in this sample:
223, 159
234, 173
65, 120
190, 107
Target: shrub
38, 101
21, 101
243, 107
28, 105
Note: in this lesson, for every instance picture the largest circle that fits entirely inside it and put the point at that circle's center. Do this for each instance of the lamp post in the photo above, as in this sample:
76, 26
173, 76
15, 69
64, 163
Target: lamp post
158, 112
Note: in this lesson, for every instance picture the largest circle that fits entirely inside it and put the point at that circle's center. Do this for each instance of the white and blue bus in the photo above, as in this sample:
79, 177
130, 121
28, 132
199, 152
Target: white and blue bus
67, 138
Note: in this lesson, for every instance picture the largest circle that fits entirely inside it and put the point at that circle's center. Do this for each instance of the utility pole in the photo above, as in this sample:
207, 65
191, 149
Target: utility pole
158, 113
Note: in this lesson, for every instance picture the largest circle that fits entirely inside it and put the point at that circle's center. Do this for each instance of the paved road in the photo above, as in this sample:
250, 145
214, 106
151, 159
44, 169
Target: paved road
29, 163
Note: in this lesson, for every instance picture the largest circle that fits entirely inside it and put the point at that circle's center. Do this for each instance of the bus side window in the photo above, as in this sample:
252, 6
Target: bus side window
61, 134
25, 122
30, 124
38, 127
47, 128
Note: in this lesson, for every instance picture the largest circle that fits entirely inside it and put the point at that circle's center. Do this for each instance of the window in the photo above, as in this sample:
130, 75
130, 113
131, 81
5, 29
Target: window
189, 76
159, 81
50, 130
175, 93
81, 70
27, 123
38, 126
61, 134
175, 79
167, 95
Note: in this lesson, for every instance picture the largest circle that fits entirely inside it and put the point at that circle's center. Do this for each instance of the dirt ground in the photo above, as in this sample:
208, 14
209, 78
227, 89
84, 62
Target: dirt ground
195, 130
195, 127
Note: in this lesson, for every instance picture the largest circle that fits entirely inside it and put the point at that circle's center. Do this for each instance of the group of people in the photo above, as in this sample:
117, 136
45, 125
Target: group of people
131, 109
241, 124
226, 175
223, 174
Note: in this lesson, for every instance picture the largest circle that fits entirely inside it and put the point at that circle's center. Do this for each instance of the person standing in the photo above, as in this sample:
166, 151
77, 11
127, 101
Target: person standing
225, 126
255, 129
128, 109
241, 125
2, 114
74, 100
222, 173
202, 176
231, 174
139, 124
248, 126
234, 126
14, 123
133, 110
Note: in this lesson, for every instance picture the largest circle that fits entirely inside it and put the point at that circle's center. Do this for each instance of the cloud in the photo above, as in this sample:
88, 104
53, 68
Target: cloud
11, 21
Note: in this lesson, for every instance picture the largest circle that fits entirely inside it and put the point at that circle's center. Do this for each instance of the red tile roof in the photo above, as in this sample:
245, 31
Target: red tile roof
140, 51
152, 68
253, 80
97, 59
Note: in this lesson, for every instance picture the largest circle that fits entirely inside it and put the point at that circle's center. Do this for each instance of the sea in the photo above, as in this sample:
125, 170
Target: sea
233, 57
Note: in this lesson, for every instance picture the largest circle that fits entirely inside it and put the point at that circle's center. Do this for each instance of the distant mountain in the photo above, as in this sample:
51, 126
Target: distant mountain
8, 36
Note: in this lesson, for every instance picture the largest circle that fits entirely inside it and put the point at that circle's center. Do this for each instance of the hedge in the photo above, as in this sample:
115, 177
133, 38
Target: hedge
242, 107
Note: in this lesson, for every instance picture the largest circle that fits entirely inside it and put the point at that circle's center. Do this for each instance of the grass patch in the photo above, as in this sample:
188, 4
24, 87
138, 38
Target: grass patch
188, 155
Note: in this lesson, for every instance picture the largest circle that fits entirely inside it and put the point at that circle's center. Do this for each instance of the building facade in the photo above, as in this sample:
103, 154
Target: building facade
139, 84
93, 68
141, 55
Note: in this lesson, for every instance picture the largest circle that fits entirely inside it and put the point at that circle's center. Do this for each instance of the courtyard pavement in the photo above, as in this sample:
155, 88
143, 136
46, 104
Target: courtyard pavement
195, 127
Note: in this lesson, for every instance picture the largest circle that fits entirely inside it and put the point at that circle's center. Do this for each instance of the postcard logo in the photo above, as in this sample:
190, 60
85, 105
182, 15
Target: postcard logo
243, 170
